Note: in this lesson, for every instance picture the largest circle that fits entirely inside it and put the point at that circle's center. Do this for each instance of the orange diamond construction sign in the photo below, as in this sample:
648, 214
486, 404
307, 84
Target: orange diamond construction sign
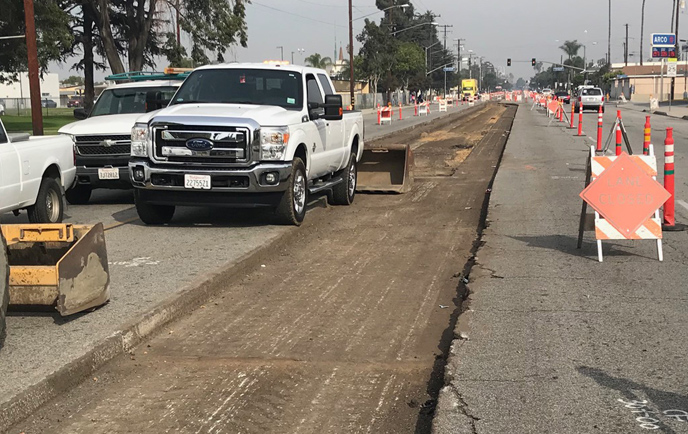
625, 195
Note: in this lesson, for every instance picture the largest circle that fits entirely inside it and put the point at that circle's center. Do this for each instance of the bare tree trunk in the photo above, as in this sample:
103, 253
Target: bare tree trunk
642, 32
89, 90
137, 42
103, 20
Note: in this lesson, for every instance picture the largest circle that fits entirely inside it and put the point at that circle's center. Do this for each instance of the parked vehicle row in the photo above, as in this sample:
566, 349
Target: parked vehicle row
236, 135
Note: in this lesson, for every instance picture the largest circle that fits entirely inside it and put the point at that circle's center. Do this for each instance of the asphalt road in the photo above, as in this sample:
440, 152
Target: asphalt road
148, 266
551, 340
342, 330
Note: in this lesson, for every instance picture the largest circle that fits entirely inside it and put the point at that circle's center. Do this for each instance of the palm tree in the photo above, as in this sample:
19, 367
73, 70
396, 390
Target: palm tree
317, 61
571, 48
642, 33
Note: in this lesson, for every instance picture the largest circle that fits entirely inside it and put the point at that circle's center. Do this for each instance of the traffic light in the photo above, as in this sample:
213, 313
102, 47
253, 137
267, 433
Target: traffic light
533, 61
508, 62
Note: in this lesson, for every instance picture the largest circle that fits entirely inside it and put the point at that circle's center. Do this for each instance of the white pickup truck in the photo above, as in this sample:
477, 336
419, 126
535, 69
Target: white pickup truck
102, 136
251, 135
34, 174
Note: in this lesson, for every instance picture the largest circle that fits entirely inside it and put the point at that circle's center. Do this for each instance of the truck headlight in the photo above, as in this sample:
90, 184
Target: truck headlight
273, 143
139, 140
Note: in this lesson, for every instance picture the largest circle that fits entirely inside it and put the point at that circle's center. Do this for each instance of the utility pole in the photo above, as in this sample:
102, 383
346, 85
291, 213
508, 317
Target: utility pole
281, 52
609, 38
292, 57
678, 47
34, 82
351, 56
626, 47
458, 55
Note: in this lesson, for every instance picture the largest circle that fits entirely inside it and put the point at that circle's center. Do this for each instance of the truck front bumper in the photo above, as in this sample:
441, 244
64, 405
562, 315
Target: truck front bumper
89, 176
229, 186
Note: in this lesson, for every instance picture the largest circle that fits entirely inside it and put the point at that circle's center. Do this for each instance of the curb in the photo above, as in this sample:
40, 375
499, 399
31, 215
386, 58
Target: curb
132, 333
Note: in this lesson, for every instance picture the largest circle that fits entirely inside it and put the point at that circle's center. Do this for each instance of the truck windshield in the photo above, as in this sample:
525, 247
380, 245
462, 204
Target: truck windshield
468, 88
132, 100
242, 86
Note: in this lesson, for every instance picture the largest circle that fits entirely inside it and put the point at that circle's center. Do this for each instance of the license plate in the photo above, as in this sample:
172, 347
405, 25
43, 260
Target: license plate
201, 182
108, 173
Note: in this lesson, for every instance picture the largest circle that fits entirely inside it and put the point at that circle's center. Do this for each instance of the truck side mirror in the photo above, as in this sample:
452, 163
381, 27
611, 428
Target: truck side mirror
333, 108
80, 113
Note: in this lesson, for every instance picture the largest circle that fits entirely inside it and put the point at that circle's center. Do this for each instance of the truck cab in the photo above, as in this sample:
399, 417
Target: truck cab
102, 138
246, 135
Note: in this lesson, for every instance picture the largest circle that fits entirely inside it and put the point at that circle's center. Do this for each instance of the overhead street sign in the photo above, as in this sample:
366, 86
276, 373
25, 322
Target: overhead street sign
557, 68
663, 52
663, 40
449, 69
625, 195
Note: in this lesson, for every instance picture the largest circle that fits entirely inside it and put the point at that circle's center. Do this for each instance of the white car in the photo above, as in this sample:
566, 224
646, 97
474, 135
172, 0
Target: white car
2, 109
591, 98
251, 135
547, 92
103, 137
34, 174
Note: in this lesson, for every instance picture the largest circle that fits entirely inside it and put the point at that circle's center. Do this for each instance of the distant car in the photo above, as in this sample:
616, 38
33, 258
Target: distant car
75, 102
2, 109
563, 96
590, 98
48, 103
547, 92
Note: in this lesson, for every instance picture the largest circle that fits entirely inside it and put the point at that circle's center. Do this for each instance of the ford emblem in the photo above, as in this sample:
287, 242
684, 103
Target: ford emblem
199, 144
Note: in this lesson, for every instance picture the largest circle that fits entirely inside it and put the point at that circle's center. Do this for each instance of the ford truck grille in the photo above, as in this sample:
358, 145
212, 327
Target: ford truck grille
213, 145
101, 145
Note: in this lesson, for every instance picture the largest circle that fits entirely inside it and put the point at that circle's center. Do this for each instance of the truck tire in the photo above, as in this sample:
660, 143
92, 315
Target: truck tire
292, 207
344, 192
152, 214
79, 195
4, 286
49, 206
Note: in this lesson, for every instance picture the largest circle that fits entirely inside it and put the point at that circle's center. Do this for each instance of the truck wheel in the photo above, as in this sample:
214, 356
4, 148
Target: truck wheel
79, 195
152, 214
4, 286
49, 207
292, 208
344, 192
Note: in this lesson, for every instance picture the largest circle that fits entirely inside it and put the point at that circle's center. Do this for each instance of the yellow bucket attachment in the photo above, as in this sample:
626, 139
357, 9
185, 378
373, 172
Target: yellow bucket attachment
60, 265
386, 169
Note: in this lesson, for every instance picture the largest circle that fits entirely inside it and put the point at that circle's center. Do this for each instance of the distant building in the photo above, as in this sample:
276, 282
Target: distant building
640, 83
17, 92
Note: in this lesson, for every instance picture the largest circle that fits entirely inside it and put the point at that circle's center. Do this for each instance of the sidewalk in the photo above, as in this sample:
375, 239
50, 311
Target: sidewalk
551, 340
679, 111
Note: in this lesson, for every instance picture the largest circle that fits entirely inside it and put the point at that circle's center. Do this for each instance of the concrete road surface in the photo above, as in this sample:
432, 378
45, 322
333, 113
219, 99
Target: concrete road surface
551, 340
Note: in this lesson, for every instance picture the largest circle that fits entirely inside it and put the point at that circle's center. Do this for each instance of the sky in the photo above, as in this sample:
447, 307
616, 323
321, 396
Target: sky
495, 29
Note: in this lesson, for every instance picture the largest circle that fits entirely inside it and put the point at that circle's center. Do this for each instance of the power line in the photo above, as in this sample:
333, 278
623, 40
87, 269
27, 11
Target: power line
297, 15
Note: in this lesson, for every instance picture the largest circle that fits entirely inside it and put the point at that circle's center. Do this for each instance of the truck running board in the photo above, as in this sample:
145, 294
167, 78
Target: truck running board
325, 185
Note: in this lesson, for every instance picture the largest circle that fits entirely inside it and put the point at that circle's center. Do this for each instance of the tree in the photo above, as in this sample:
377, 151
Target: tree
131, 26
73, 80
520, 83
410, 62
317, 61
571, 48
377, 52
53, 35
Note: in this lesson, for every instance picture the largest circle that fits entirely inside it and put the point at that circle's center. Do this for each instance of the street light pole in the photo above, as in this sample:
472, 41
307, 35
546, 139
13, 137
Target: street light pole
281, 52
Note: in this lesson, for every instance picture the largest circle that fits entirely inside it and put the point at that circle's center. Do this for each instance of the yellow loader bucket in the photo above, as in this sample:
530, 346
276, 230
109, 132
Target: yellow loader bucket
60, 265
386, 169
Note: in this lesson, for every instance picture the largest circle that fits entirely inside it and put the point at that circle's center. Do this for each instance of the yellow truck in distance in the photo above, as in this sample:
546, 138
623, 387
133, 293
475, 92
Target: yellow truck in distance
469, 88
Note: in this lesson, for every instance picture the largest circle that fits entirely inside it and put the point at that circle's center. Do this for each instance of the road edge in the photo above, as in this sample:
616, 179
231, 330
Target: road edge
450, 402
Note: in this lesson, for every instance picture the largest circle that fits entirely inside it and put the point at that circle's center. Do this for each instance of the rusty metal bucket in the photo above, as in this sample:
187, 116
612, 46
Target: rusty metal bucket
60, 265
386, 169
